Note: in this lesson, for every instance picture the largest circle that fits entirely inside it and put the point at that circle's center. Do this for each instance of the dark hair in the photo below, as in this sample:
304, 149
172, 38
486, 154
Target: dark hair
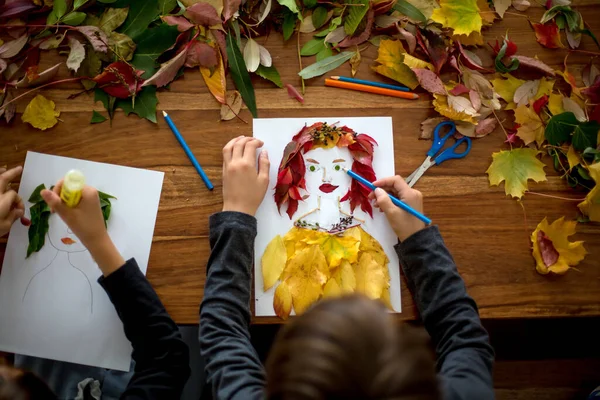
350, 348
16, 384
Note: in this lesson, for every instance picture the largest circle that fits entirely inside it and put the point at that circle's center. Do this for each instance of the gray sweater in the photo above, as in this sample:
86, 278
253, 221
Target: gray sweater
464, 355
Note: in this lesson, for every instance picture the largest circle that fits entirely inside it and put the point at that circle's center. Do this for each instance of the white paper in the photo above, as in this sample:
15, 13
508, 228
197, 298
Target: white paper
276, 134
51, 304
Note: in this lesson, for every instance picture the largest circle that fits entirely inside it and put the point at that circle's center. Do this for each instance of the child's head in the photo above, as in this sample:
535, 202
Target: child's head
350, 348
16, 384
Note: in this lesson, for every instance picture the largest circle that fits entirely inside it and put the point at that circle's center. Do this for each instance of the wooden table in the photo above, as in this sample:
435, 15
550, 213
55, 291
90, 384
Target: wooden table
487, 232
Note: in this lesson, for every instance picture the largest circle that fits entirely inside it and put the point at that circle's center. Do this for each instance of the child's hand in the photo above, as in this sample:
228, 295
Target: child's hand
244, 186
402, 222
11, 205
87, 223
85, 220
